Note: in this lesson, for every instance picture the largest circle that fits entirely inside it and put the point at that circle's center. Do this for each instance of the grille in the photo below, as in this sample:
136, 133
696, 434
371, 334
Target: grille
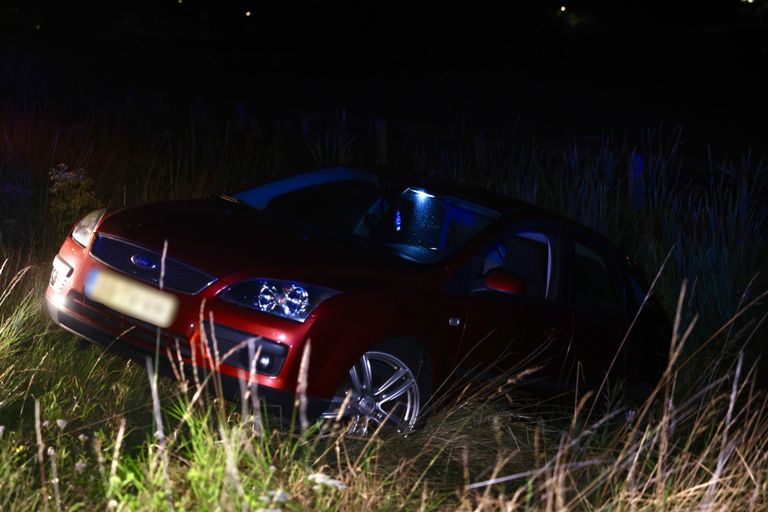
144, 264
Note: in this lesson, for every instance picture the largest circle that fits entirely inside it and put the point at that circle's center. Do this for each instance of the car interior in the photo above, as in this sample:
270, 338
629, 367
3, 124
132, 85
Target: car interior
527, 255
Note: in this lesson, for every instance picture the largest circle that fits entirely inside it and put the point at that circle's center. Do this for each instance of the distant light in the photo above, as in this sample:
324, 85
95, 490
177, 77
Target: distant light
37, 27
247, 13
180, 1
562, 7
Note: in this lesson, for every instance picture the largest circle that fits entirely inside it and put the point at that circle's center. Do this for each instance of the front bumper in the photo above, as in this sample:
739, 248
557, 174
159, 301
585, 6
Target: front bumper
277, 402
182, 341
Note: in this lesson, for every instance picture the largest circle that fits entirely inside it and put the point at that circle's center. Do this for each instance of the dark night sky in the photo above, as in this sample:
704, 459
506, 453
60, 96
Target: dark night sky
594, 67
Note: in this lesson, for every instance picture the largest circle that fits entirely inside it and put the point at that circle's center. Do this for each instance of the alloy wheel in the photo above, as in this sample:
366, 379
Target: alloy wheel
379, 389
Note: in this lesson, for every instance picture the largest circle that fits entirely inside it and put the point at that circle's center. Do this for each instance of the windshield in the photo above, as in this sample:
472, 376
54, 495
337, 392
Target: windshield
411, 222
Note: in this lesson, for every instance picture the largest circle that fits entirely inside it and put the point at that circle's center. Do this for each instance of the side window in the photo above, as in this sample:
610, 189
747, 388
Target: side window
594, 285
526, 254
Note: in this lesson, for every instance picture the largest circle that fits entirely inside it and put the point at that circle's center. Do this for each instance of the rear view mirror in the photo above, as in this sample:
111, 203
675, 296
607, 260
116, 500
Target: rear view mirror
504, 281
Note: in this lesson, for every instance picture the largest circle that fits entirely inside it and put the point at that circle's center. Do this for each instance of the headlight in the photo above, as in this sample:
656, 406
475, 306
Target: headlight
83, 232
288, 299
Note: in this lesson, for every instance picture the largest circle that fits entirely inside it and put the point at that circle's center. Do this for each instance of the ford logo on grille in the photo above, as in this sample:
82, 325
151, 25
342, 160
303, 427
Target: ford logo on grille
143, 262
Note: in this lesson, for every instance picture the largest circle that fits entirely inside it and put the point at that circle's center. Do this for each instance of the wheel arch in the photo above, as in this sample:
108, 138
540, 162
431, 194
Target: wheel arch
348, 350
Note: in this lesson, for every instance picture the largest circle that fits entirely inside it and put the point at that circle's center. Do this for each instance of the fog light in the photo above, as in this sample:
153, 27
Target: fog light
265, 362
58, 301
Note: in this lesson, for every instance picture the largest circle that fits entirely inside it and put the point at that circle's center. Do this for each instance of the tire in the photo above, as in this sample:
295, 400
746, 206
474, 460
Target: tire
394, 392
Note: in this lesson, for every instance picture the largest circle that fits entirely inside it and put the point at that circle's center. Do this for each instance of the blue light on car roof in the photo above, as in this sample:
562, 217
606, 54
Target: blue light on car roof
398, 220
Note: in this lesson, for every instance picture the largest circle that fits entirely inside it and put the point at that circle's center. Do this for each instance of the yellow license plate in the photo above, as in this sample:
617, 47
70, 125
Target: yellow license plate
131, 297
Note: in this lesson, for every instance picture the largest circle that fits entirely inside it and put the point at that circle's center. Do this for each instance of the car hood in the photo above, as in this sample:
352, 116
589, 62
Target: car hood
225, 239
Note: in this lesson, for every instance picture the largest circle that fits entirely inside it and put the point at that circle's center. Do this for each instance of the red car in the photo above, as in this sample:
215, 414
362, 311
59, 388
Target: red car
398, 284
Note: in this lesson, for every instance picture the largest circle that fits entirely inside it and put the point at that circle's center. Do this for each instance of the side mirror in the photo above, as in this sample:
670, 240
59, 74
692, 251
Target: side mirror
503, 281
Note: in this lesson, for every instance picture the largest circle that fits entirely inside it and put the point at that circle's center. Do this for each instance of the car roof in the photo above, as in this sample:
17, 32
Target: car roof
504, 204
507, 206
511, 209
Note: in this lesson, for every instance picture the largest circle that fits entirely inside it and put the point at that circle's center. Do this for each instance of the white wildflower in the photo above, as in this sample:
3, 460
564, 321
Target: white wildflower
80, 466
321, 479
62, 175
82, 437
278, 496
61, 423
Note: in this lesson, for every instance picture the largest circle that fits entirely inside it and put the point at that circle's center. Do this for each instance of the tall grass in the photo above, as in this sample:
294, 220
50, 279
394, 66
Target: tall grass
492, 448
700, 444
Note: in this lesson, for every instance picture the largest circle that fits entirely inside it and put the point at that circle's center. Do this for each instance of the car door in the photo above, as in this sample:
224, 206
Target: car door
597, 299
507, 333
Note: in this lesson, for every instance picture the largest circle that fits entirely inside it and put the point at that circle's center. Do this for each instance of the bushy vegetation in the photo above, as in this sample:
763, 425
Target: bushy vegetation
81, 429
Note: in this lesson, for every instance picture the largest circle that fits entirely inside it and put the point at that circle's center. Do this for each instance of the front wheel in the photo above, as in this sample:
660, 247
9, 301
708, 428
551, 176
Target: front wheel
387, 387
